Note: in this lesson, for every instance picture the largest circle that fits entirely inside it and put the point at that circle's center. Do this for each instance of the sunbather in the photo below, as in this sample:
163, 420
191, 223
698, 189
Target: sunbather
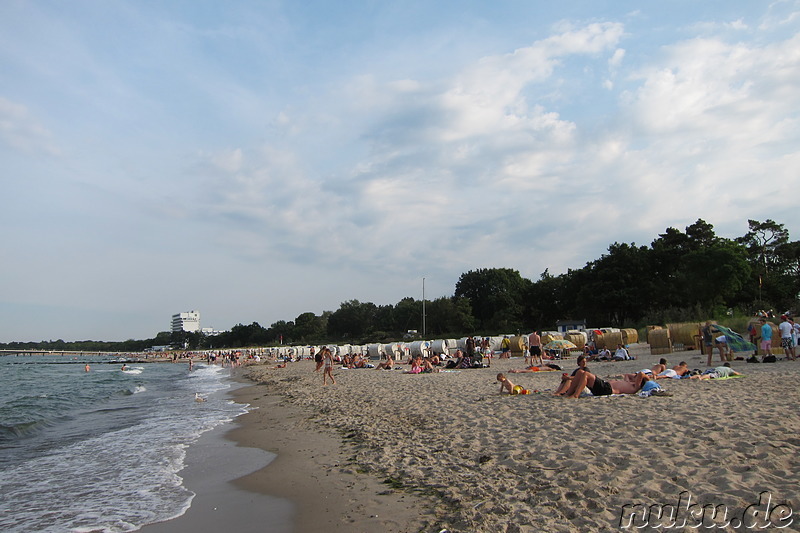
600, 387
676, 372
724, 371
545, 368
566, 379
386, 365
660, 367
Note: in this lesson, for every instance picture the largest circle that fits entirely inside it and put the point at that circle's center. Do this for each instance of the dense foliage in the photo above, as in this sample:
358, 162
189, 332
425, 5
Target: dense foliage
683, 275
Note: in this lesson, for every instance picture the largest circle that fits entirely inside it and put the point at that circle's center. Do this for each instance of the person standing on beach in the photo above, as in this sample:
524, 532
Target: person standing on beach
535, 348
318, 358
708, 340
724, 348
787, 344
470, 345
328, 371
766, 337
486, 350
505, 348
795, 331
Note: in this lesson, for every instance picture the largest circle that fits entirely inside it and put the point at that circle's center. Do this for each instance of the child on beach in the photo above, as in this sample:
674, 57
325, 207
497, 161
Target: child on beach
506, 384
328, 371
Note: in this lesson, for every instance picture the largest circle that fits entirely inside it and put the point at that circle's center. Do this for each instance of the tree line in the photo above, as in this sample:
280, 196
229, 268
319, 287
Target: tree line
682, 275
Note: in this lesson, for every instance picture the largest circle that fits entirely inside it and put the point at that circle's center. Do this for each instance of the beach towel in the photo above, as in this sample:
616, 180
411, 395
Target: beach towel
727, 377
736, 341
651, 388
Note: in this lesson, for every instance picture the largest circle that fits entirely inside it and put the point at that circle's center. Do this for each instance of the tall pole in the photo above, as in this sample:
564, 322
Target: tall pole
423, 307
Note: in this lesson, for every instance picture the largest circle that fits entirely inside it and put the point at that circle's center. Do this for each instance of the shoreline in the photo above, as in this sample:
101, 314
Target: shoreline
314, 471
212, 465
269, 470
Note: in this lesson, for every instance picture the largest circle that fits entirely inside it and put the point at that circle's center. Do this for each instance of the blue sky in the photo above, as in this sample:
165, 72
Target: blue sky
258, 160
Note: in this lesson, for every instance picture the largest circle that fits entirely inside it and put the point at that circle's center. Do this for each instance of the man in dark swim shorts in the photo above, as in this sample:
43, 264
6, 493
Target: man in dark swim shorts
600, 387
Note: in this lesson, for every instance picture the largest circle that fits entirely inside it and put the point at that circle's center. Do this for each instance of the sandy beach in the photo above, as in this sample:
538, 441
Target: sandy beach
388, 451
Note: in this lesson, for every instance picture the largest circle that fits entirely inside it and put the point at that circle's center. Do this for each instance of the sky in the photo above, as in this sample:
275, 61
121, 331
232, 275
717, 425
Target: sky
256, 160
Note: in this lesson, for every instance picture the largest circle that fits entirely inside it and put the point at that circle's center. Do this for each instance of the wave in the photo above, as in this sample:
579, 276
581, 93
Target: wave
12, 432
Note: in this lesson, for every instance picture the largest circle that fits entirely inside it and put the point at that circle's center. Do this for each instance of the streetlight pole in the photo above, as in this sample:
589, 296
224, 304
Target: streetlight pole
423, 308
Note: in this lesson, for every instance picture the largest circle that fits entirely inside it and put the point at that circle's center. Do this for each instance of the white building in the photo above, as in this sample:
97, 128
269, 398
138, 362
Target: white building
186, 321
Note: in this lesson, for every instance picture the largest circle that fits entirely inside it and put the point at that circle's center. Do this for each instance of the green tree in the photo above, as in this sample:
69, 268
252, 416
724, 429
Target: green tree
617, 287
448, 316
308, 327
279, 332
544, 301
765, 242
352, 320
715, 274
407, 315
495, 296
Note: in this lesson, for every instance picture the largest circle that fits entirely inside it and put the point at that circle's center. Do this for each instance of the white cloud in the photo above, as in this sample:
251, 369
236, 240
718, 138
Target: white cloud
23, 132
616, 60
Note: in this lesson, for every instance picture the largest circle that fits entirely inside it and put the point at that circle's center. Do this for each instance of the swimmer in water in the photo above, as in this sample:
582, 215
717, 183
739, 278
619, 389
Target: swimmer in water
124, 367
87, 368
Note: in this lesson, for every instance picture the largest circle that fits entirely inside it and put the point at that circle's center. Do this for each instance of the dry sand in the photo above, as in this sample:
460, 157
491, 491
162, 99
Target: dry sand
389, 451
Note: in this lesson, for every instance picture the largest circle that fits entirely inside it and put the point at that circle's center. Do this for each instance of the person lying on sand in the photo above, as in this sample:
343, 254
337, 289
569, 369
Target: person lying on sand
676, 372
545, 368
600, 387
566, 379
660, 367
724, 371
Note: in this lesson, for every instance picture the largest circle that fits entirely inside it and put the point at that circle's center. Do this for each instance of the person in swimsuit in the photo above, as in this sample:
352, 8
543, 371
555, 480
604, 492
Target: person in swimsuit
660, 367
544, 368
328, 370
566, 379
601, 387
724, 371
505, 384
676, 372
386, 365
535, 349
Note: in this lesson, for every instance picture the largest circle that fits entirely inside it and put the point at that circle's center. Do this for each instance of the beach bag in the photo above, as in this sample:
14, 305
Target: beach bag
770, 359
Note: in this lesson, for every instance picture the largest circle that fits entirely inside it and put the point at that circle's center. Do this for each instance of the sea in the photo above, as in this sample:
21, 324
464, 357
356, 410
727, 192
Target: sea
101, 451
